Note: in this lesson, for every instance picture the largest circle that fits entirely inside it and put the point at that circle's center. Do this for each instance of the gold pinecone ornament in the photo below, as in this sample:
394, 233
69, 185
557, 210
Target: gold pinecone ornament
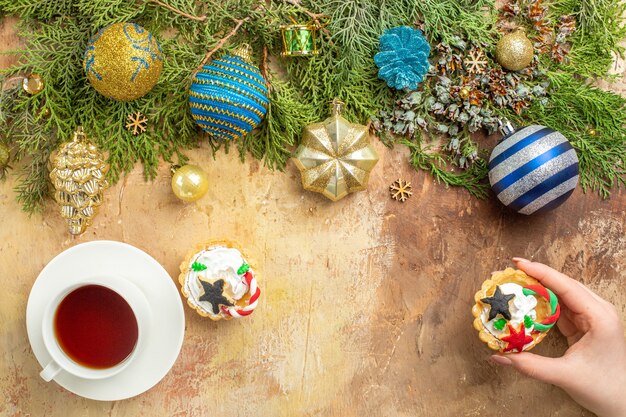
77, 172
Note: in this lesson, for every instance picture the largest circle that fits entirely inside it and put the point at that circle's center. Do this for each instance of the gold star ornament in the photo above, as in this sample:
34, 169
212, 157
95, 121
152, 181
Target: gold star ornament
336, 156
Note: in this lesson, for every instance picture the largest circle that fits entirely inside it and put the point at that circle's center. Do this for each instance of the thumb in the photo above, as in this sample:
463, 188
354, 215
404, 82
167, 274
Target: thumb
549, 370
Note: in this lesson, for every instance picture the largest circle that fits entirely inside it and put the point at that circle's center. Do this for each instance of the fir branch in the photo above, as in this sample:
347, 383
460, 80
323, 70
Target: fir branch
56, 32
433, 162
597, 39
37, 9
220, 44
180, 12
32, 143
101, 14
446, 21
263, 67
286, 115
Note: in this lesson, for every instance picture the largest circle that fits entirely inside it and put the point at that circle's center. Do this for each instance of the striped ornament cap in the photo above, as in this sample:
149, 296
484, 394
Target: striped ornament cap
533, 169
228, 97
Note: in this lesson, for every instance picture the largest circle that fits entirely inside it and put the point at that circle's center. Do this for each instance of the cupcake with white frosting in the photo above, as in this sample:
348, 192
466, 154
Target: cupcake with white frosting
513, 311
219, 282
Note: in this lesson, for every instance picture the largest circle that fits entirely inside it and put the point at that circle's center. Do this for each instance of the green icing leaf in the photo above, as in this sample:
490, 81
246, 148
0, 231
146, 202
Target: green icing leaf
197, 266
499, 324
528, 322
243, 269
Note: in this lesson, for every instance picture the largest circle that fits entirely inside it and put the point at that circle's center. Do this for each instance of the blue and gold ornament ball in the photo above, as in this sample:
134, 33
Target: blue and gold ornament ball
533, 169
228, 96
123, 61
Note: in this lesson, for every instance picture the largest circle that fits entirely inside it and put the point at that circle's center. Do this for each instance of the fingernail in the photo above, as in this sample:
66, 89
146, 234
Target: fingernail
501, 360
516, 259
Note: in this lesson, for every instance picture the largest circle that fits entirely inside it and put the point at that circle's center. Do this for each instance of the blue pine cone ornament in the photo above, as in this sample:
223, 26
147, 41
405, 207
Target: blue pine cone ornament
403, 57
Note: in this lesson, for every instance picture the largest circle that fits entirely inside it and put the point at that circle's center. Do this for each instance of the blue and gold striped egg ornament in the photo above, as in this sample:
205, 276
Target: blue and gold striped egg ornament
533, 169
228, 96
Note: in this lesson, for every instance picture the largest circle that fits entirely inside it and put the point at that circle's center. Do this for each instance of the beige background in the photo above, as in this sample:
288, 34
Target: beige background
366, 302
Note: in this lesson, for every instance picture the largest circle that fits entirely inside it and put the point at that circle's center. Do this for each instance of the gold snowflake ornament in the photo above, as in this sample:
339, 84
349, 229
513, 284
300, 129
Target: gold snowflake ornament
400, 190
137, 123
475, 62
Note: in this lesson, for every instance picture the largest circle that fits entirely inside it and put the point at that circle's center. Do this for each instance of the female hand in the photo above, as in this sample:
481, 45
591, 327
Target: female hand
593, 370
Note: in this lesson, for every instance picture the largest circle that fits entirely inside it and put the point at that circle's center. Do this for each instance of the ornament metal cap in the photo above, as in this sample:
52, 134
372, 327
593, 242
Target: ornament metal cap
336, 107
244, 51
505, 127
174, 168
79, 134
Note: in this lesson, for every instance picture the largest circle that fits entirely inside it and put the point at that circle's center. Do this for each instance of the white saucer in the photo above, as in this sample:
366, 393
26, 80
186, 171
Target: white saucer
168, 324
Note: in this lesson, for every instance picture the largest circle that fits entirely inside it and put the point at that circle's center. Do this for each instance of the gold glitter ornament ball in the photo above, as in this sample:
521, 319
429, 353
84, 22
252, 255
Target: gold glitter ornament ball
190, 183
515, 51
123, 61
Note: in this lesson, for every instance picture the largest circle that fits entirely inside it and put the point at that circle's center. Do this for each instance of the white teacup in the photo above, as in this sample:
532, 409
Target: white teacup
61, 362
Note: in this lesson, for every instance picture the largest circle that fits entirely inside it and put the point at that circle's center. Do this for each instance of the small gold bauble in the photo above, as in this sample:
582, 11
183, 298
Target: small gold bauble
33, 84
592, 132
5, 155
123, 61
464, 93
190, 183
45, 112
515, 51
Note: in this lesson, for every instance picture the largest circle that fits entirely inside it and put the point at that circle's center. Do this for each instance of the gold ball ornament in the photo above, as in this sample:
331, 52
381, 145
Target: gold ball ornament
123, 61
464, 93
515, 51
190, 183
33, 84
5, 155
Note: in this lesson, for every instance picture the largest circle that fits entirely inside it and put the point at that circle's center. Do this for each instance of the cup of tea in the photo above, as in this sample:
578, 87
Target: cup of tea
94, 329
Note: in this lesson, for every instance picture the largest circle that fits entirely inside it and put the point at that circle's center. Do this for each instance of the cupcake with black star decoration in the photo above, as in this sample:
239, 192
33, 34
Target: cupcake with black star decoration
513, 312
219, 281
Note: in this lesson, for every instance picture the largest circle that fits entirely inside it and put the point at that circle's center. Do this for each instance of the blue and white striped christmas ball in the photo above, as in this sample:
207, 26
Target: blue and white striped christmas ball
533, 169
228, 97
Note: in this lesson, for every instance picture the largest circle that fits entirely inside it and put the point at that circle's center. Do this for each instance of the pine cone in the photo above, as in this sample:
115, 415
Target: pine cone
403, 57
